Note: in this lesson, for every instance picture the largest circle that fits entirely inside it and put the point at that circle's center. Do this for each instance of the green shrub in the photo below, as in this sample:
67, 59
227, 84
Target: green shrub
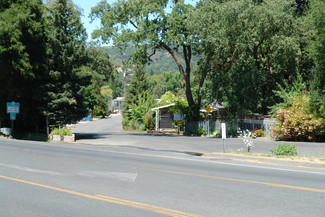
201, 131
285, 150
62, 132
134, 117
233, 132
149, 120
100, 111
258, 133
298, 123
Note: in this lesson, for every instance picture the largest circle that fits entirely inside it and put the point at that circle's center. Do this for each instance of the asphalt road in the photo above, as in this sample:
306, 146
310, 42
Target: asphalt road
109, 132
57, 179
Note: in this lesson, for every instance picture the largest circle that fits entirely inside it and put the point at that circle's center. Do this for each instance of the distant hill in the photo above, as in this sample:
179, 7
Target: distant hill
161, 61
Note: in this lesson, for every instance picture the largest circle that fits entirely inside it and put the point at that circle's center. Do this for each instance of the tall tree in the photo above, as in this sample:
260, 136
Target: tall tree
22, 59
102, 72
249, 49
156, 24
317, 19
64, 90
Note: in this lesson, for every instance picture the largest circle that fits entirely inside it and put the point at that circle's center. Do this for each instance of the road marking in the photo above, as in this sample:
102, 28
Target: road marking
127, 177
151, 206
179, 158
240, 180
142, 206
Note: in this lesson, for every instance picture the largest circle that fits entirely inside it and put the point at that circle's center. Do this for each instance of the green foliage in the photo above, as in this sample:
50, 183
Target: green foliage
62, 132
134, 117
100, 111
167, 98
287, 93
285, 150
22, 60
139, 85
317, 20
135, 22
101, 70
149, 120
217, 133
201, 131
254, 46
258, 133
167, 81
299, 123
192, 113
233, 132
63, 93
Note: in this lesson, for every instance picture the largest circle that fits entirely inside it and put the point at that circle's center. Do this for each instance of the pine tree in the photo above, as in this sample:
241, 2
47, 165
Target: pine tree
64, 89
22, 60
139, 85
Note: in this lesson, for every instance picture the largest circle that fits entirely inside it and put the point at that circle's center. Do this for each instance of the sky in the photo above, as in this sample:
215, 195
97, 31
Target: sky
86, 6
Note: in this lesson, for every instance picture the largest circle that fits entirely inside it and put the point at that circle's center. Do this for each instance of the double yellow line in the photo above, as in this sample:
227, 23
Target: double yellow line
142, 206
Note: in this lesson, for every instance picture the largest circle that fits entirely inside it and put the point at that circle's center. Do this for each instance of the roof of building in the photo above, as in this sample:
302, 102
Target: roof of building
164, 106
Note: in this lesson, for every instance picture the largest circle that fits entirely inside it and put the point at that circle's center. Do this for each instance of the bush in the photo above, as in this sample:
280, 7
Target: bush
285, 150
62, 132
201, 131
217, 133
298, 123
149, 120
258, 133
100, 111
134, 117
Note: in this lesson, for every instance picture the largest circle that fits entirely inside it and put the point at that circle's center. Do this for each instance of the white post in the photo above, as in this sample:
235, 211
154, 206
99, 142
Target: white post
157, 120
224, 135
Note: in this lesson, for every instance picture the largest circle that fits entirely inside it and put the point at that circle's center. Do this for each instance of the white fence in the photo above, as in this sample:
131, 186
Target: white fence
243, 124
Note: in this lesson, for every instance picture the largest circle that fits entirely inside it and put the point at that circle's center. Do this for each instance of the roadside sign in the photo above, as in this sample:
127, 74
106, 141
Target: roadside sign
178, 117
12, 116
208, 108
13, 107
179, 123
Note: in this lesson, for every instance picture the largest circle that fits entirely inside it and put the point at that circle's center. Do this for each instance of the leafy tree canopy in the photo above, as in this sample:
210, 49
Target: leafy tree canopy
151, 25
249, 49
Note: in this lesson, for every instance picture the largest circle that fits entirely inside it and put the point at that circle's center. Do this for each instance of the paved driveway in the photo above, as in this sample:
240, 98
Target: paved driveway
109, 132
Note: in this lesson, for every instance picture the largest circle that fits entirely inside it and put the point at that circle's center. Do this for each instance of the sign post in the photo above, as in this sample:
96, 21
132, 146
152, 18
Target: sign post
208, 109
178, 117
224, 135
12, 109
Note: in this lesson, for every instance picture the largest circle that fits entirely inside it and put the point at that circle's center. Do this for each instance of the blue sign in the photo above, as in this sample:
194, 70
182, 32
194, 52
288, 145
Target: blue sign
13, 107
12, 116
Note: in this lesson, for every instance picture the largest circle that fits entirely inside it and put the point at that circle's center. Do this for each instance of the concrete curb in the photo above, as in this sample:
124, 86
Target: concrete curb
267, 160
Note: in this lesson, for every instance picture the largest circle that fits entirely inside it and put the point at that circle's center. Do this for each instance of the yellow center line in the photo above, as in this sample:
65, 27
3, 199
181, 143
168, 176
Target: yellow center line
220, 178
151, 206
142, 206
240, 180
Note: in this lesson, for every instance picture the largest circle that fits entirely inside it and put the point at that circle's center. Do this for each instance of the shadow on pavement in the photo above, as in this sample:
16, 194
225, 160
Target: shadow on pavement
80, 136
